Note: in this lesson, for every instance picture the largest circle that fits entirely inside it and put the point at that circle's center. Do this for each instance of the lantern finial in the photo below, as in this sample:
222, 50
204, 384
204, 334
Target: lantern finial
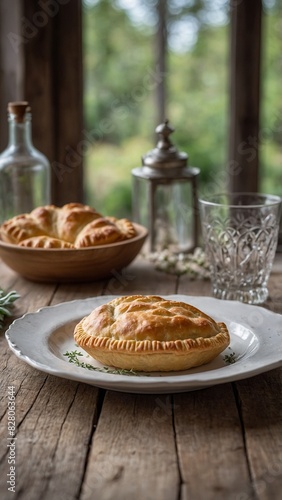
165, 156
164, 131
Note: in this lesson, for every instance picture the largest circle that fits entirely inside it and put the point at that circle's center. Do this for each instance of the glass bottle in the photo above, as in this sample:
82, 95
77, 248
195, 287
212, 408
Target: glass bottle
25, 176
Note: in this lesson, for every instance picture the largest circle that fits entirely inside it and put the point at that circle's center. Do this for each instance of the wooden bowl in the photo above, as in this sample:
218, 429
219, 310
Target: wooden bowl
72, 265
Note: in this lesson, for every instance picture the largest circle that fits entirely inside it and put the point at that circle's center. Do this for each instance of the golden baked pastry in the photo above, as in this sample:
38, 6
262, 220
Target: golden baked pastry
150, 333
45, 242
103, 231
74, 224
46, 219
72, 218
20, 228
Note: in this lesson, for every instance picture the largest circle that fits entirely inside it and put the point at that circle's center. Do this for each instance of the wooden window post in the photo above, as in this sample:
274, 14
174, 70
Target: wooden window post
243, 155
47, 35
161, 60
10, 63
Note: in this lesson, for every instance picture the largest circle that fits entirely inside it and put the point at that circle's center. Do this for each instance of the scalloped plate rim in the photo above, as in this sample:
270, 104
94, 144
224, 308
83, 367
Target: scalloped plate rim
267, 356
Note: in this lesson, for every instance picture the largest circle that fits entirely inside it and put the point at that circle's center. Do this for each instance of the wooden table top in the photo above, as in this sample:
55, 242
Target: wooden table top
75, 441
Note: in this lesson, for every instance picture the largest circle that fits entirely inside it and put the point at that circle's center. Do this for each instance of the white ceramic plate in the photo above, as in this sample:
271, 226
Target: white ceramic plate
41, 339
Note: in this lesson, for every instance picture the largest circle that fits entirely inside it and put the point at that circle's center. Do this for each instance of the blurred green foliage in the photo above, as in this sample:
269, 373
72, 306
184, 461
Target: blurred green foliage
119, 94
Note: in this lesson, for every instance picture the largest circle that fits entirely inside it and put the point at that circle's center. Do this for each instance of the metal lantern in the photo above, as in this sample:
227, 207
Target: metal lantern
165, 196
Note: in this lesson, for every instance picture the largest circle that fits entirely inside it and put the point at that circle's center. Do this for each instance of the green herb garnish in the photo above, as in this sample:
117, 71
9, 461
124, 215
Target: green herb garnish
6, 301
230, 359
73, 358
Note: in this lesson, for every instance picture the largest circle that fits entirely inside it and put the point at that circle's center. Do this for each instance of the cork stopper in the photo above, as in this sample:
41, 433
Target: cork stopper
19, 109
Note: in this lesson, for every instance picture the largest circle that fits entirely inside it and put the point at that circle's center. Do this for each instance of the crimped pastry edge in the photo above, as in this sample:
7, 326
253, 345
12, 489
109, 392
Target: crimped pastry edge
151, 355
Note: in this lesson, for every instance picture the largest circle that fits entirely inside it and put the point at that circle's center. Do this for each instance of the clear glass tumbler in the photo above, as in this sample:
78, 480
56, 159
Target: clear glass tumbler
240, 233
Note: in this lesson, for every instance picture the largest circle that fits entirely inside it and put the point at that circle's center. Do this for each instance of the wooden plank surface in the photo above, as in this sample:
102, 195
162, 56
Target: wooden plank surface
53, 439
141, 278
210, 445
260, 403
133, 454
78, 442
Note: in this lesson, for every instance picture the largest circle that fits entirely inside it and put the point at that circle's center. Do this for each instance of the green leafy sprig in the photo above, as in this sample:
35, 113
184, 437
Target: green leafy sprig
6, 302
230, 359
73, 358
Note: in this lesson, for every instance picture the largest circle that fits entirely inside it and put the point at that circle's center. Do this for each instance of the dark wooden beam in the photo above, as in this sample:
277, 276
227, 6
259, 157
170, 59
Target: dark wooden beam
53, 85
38, 76
41, 61
243, 155
67, 72
161, 61
10, 62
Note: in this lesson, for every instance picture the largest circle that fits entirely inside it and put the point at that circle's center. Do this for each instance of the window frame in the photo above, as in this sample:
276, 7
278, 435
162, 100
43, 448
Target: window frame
49, 75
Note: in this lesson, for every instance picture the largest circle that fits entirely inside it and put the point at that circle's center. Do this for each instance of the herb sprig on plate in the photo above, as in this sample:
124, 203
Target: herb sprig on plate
73, 357
230, 359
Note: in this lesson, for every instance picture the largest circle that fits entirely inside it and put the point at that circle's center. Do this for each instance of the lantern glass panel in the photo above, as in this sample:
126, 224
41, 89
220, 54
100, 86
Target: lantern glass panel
141, 201
173, 224
165, 207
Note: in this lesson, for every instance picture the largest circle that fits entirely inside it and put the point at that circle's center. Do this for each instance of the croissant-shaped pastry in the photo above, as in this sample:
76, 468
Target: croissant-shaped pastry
72, 226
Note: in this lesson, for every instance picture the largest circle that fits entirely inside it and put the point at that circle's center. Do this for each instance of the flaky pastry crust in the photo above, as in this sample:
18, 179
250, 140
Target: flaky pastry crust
74, 224
150, 333
20, 228
105, 230
45, 242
